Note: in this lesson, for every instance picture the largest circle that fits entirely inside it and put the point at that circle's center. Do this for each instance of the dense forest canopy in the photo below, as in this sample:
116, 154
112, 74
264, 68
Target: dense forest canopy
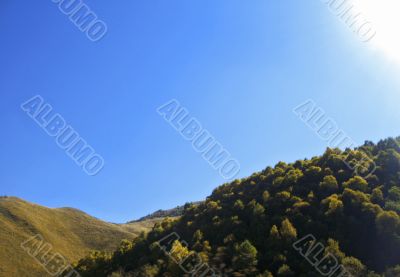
250, 227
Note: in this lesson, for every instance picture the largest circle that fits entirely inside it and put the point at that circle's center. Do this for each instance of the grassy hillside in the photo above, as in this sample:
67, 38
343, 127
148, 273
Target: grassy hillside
71, 232
250, 226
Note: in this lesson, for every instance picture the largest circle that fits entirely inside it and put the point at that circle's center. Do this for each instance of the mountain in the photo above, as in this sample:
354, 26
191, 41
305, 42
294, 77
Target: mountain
175, 212
336, 214
70, 232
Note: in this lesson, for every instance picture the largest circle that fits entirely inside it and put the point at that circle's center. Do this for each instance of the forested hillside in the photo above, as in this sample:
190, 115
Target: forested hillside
255, 226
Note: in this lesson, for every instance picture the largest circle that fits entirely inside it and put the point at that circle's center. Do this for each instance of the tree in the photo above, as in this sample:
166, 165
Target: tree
198, 236
274, 233
354, 266
197, 240
288, 231
388, 222
265, 274
333, 205
178, 252
285, 270
329, 184
394, 194
245, 258
266, 196
393, 272
334, 249
147, 271
356, 183
393, 201
258, 210
377, 196
239, 206
313, 173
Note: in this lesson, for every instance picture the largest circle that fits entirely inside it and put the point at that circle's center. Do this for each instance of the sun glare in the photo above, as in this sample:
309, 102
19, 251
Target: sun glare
384, 16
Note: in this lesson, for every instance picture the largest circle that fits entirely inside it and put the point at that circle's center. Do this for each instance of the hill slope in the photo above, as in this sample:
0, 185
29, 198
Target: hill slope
173, 213
71, 232
256, 226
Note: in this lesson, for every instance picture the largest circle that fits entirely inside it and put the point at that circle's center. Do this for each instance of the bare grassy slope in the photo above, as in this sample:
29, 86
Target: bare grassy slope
71, 232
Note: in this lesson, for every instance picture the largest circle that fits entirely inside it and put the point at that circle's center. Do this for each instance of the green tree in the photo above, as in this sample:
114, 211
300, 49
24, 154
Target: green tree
356, 183
274, 233
354, 266
388, 222
377, 196
266, 196
288, 231
285, 270
393, 272
245, 258
329, 184
394, 193
265, 274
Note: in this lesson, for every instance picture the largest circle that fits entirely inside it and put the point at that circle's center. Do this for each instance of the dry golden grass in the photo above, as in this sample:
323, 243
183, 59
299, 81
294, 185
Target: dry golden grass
71, 232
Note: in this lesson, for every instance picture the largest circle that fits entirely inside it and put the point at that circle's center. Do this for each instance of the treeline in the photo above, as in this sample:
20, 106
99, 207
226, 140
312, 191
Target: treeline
248, 227
175, 212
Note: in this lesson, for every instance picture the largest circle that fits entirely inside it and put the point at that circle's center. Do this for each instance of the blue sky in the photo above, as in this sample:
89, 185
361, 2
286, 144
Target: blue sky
239, 67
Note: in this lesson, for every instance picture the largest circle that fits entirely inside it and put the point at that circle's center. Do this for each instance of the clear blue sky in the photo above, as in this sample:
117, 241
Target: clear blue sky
239, 67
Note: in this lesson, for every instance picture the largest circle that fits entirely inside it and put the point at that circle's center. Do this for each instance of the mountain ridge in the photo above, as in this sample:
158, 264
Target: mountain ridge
174, 212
